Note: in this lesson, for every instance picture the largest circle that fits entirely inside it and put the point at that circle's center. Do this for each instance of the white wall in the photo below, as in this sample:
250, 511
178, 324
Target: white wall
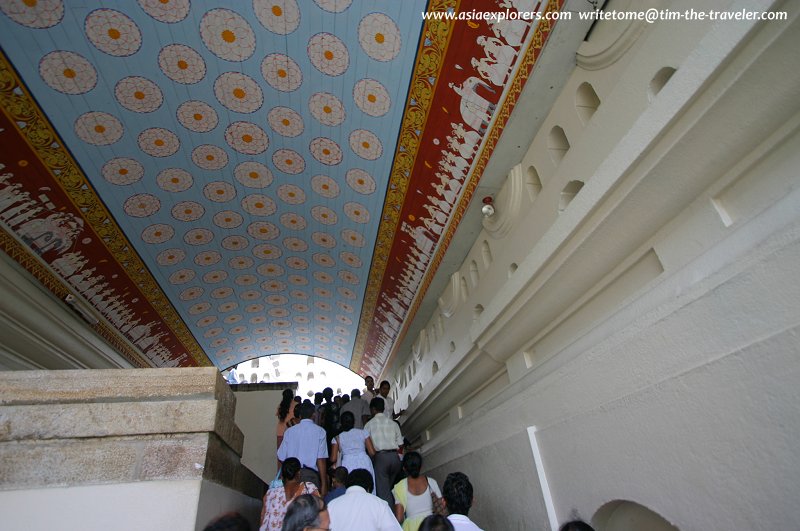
649, 329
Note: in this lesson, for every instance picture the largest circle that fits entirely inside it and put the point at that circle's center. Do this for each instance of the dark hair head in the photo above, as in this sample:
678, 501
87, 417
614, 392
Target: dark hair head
306, 410
347, 421
412, 464
457, 493
345, 398
298, 400
436, 522
296, 410
228, 522
317, 398
385, 382
340, 475
368, 378
303, 512
576, 525
290, 468
355, 393
327, 393
286, 402
360, 477
377, 404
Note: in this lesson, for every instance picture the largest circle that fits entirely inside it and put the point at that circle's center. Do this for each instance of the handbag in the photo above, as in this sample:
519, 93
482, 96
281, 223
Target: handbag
439, 507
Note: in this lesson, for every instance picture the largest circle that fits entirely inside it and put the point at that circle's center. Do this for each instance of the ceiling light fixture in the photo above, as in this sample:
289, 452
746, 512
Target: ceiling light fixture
488, 208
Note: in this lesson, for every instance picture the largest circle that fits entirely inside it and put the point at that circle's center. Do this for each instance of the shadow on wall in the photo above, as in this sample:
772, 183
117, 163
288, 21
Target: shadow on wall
625, 515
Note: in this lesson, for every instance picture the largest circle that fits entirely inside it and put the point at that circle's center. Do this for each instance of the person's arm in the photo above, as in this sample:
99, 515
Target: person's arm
334, 449
322, 465
399, 512
370, 447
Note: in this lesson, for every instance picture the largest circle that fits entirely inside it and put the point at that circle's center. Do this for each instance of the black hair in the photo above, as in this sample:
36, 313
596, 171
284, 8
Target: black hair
360, 477
228, 522
384, 382
412, 464
377, 404
347, 420
303, 512
457, 493
355, 393
283, 409
576, 525
306, 410
436, 522
290, 468
327, 393
317, 398
340, 474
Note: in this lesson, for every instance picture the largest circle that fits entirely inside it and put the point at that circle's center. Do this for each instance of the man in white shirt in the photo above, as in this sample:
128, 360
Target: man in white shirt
369, 393
306, 441
358, 509
386, 438
457, 494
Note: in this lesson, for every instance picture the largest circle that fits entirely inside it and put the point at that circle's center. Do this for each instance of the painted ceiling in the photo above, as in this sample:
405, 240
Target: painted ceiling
216, 181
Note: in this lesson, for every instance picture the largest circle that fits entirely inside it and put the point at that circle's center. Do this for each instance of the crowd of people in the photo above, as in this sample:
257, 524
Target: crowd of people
343, 465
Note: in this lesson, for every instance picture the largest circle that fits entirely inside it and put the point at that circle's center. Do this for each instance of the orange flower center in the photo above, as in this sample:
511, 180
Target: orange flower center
99, 129
228, 36
239, 93
123, 171
282, 73
253, 175
114, 33
198, 116
158, 142
328, 55
247, 138
69, 73
285, 122
379, 38
139, 95
183, 65
365, 145
371, 98
277, 11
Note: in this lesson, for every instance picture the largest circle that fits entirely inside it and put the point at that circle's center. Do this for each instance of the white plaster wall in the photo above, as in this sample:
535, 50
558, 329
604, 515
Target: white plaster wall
151, 505
649, 331
255, 416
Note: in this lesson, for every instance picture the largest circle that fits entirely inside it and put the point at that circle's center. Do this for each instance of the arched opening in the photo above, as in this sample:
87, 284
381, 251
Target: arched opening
434, 368
586, 102
512, 269
557, 144
452, 346
477, 311
420, 387
533, 183
486, 254
626, 515
473, 273
568, 194
464, 289
659, 80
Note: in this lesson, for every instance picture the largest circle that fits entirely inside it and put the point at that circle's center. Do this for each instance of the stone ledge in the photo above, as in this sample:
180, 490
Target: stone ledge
109, 385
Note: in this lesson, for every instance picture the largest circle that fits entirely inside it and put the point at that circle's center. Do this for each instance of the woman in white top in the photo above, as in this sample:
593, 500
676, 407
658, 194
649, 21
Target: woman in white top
413, 495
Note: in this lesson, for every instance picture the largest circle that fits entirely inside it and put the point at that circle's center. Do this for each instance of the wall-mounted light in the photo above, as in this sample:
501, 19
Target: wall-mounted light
488, 208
